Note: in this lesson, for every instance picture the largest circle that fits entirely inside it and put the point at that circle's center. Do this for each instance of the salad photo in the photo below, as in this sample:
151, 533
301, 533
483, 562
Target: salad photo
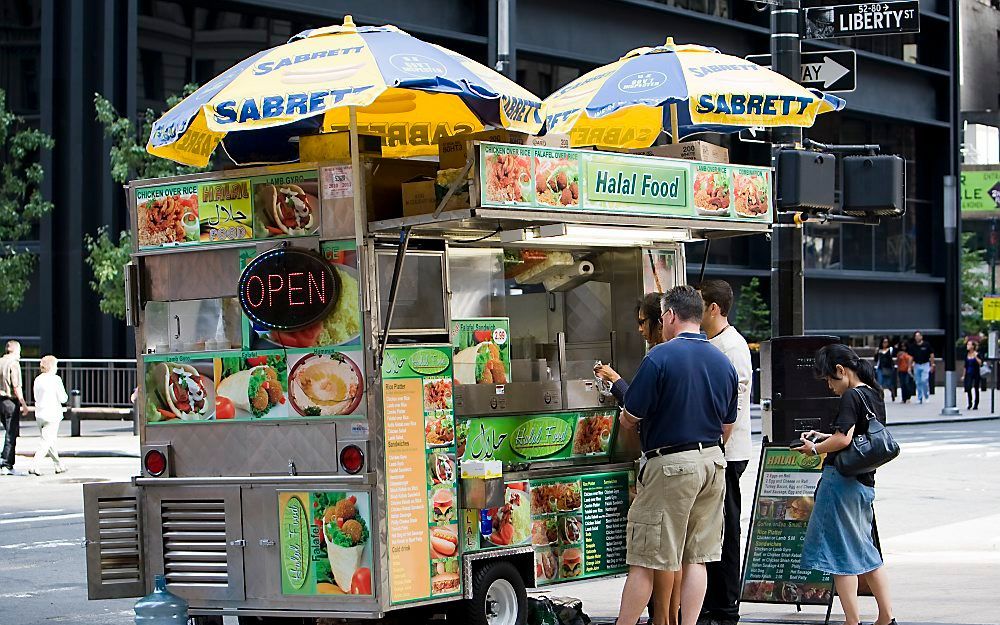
440, 430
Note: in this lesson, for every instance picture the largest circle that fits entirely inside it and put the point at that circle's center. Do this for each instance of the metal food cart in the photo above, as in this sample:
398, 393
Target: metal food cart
346, 465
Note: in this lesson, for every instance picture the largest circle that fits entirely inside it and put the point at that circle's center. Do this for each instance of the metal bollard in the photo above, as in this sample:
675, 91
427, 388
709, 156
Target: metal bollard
135, 418
74, 412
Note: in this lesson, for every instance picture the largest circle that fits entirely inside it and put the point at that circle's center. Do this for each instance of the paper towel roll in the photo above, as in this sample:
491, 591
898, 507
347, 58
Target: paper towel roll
570, 277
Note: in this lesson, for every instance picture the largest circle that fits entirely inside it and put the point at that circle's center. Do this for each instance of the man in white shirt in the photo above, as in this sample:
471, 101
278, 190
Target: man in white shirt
723, 595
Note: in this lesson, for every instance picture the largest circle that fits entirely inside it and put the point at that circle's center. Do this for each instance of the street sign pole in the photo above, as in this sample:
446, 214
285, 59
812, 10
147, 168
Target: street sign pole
952, 224
787, 288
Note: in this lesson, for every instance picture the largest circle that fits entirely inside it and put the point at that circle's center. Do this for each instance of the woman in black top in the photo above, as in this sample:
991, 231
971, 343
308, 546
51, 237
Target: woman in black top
973, 373
839, 536
885, 366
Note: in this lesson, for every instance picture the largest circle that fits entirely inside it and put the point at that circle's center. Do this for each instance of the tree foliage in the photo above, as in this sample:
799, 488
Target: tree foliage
753, 315
129, 161
21, 202
974, 279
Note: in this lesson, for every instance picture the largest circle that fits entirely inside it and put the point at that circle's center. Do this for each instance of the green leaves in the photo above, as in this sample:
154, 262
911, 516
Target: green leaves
129, 161
21, 202
107, 260
974, 279
753, 315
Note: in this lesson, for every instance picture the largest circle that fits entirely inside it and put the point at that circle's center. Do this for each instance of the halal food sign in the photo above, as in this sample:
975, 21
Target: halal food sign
287, 288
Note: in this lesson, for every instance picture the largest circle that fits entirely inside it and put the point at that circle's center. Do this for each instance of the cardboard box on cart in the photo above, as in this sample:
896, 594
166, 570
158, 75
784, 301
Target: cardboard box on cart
689, 150
453, 152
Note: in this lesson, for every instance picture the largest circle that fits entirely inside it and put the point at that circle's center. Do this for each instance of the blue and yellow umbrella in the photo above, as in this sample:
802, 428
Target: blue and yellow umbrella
410, 92
693, 88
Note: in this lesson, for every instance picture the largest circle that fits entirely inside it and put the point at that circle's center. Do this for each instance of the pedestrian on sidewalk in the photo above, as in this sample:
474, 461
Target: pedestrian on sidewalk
12, 404
885, 366
972, 375
839, 538
923, 363
722, 598
50, 395
685, 396
904, 369
666, 586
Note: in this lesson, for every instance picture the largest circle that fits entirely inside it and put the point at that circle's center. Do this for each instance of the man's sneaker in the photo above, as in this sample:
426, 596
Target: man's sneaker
5, 471
61, 469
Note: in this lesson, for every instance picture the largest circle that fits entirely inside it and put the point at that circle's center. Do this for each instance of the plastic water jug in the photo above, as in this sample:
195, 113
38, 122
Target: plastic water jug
161, 607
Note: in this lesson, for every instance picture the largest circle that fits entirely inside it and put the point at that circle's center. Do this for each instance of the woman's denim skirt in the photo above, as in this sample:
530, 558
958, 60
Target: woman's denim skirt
839, 537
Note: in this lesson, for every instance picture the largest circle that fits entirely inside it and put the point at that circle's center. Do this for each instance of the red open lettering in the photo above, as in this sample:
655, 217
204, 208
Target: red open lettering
250, 298
319, 288
292, 289
273, 287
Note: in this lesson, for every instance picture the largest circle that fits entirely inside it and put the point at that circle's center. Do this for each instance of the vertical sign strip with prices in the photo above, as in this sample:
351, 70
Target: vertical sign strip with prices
786, 484
420, 473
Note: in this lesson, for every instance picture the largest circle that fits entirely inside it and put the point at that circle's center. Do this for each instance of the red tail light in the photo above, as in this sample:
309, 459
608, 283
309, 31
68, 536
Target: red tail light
352, 459
154, 462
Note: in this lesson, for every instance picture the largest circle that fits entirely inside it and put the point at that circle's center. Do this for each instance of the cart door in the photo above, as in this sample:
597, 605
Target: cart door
112, 525
196, 535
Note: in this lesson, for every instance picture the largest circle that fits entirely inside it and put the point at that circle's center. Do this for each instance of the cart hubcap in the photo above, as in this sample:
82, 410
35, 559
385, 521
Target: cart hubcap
501, 603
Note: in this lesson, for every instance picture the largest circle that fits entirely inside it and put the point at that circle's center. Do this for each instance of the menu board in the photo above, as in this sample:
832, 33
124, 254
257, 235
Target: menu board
482, 350
241, 386
341, 328
784, 501
326, 543
576, 525
544, 178
551, 436
234, 209
420, 473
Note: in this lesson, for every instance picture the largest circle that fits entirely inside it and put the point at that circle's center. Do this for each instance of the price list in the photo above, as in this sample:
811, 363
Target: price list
605, 511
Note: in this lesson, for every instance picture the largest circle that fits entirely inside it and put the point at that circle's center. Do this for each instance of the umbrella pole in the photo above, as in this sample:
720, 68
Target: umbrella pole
360, 213
673, 124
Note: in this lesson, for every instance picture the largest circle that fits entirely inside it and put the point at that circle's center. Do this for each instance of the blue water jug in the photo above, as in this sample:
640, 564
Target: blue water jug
161, 607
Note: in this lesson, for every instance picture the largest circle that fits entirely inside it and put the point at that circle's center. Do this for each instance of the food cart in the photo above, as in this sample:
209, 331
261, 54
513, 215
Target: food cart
367, 383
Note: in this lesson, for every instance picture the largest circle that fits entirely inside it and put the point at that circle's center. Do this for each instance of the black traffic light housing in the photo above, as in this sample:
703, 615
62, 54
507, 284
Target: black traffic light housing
805, 180
873, 186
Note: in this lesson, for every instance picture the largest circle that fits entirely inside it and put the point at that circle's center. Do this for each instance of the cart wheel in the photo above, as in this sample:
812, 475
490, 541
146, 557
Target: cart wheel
498, 596
206, 620
274, 620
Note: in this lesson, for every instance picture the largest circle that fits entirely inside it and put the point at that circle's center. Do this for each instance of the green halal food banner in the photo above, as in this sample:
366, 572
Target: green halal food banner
552, 436
981, 190
584, 180
217, 211
325, 542
784, 502
576, 525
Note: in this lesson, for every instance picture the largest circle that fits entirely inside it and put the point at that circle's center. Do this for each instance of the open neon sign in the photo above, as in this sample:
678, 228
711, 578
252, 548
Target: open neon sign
287, 288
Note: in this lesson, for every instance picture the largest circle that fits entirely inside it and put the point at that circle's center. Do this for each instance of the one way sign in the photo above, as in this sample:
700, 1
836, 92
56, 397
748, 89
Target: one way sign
835, 71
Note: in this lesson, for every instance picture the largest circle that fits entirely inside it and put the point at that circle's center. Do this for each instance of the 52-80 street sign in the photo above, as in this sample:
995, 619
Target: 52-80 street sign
852, 20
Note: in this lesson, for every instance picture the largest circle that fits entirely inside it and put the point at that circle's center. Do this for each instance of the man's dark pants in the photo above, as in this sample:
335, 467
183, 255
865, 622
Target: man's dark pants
723, 595
10, 414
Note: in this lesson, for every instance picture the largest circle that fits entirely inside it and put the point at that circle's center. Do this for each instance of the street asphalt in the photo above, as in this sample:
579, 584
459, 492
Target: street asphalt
938, 514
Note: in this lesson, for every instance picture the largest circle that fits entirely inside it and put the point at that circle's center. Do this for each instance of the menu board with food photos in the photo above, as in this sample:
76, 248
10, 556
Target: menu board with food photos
575, 524
232, 209
549, 436
213, 387
420, 467
783, 504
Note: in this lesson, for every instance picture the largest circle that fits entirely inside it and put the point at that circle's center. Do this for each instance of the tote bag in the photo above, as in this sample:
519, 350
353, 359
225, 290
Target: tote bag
867, 451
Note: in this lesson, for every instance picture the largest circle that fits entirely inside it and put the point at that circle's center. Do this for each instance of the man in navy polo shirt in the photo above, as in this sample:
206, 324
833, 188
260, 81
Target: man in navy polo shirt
685, 395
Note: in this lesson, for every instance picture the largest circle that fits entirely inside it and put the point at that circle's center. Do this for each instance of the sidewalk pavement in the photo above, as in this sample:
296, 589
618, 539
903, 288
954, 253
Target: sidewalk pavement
115, 439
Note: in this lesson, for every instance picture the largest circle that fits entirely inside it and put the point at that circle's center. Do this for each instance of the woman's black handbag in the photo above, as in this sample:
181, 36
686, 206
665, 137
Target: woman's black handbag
868, 451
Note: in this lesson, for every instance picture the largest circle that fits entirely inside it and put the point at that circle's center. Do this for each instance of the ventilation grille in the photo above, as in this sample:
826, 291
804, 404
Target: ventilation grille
118, 542
194, 542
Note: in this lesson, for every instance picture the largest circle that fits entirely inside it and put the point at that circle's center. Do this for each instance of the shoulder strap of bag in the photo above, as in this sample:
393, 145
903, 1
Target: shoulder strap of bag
871, 413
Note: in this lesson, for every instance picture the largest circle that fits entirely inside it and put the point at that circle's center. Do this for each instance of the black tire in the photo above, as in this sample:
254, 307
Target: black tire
477, 612
206, 620
275, 620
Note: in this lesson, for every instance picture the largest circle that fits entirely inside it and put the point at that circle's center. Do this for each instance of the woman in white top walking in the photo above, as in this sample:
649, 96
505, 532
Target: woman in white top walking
50, 395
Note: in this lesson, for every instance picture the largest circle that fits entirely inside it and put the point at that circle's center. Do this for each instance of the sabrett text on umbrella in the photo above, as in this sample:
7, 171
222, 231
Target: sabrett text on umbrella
756, 104
705, 70
269, 66
522, 109
281, 105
